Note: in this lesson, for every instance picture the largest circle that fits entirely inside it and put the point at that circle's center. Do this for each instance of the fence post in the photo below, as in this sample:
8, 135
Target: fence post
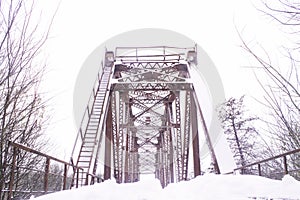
259, 169
65, 176
46, 176
285, 165
12, 173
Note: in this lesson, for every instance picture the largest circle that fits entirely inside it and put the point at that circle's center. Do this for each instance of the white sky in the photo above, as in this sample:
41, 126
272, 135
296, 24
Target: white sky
81, 26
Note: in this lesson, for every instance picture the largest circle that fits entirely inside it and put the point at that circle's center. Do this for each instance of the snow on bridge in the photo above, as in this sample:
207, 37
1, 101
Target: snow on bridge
207, 187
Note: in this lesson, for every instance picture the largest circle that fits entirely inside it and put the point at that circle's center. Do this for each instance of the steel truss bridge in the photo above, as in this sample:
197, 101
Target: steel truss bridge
143, 117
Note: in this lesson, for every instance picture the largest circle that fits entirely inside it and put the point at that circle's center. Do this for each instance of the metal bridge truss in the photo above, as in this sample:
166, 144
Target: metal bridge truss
144, 115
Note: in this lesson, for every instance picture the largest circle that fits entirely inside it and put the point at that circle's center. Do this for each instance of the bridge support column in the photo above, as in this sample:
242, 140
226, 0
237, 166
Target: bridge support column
195, 138
108, 136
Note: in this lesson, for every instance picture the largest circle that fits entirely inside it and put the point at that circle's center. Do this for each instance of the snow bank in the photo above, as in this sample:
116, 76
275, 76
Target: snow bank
207, 187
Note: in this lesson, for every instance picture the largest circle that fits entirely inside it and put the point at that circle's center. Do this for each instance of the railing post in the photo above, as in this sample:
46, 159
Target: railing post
259, 169
77, 177
12, 173
92, 180
87, 179
285, 165
46, 176
65, 176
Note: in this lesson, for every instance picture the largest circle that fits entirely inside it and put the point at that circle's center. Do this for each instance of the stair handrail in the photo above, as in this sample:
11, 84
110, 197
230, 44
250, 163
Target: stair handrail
87, 108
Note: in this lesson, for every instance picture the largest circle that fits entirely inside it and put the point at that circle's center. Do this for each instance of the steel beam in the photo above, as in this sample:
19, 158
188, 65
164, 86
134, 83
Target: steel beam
108, 141
195, 138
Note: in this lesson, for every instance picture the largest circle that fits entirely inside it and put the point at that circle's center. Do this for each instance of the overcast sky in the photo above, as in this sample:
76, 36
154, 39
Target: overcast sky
80, 26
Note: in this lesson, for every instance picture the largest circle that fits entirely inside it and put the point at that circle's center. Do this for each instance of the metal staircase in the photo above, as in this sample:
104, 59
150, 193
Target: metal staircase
92, 126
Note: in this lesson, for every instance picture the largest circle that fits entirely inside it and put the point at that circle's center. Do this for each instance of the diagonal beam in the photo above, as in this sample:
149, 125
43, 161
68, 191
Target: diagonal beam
151, 107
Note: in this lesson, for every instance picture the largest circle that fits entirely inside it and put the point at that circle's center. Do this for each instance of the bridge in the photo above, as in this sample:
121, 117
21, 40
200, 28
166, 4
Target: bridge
143, 117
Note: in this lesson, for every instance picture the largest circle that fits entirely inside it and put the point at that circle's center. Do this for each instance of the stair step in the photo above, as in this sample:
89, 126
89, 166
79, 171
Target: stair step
90, 138
86, 156
86, 151
90, 133
95, 118
88, 147
97, 109
99, 102
89, 142
93, 125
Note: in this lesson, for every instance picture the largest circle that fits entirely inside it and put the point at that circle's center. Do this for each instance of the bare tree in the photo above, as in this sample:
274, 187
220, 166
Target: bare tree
22, 108
282, 95
284, 12
239, 130
280, 80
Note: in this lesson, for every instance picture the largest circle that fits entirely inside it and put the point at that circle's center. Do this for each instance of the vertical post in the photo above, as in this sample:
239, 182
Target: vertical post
126, 173
208, 140
259, 169
135, 159
93, 180
162, 174
108, 136
285, 165
12, 173
77, 177
171, 156
86, 179
195, 138
46, 175
65, 177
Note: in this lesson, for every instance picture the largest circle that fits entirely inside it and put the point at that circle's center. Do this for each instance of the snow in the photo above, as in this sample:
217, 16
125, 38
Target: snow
207, 187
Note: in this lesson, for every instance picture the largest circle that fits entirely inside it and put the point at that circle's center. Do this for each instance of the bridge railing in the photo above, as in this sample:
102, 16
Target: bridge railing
151, 53
44, 175
275, 166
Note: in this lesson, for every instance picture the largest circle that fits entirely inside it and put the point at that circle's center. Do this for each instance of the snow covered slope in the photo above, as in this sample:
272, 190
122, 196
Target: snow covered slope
207, 187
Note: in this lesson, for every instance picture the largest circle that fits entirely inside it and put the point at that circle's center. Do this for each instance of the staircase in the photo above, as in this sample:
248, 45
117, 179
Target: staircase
87, 157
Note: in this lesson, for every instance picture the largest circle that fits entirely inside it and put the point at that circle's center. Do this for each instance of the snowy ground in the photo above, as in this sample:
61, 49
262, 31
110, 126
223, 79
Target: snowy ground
207, 187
